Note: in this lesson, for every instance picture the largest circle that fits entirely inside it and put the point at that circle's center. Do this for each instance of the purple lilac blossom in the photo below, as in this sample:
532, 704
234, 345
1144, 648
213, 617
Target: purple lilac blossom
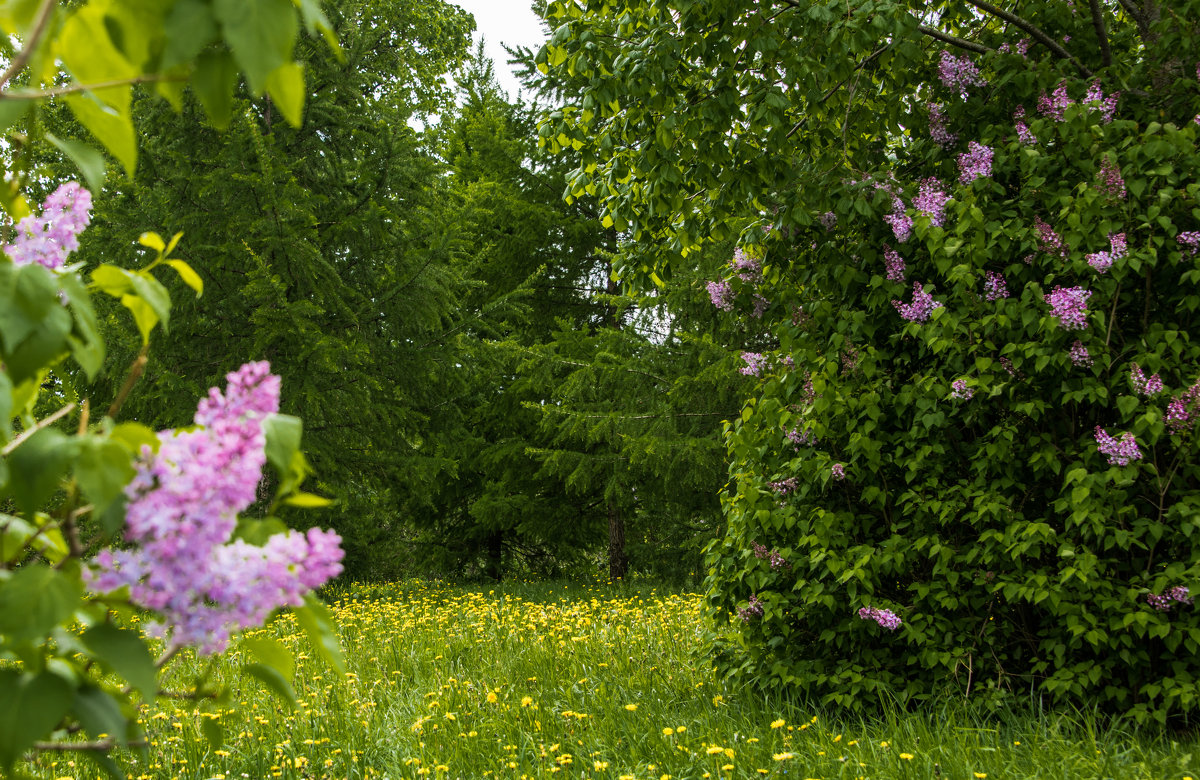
1079, 354
937, 127
958, 73
884, 617
1142, 385
1180, 411
1048, 241
49, 238
752, 609
1024, 134
1106, 105
760, 306
994, 286
1119, 451
960, 391
182, 511
1178, 594
922, 305
1055, 106
801, 438
721, 294
894, 264
1191, 240
1109, 177
784, 486
975, 163
931, 200
746, 267
1069, 305
828, 220
838, 471
755, 363
1100, 261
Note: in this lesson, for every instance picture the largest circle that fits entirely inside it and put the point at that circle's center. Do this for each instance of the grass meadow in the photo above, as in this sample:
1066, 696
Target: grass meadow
557, 681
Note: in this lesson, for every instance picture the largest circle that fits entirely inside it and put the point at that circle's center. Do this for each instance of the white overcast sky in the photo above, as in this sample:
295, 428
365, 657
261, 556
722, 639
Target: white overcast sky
501, 22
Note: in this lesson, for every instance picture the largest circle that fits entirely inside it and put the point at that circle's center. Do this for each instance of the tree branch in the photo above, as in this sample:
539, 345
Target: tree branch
1038, 34
99, 746
961, 43
1101, 33
43, 423
73, 89
39, 29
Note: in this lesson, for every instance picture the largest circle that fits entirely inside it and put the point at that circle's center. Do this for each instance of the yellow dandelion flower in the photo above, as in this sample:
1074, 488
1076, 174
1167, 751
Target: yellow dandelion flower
714, 750
778, 724
600, 766
491, 697
718, 701
668, 731
631, 707
783, 756
526, 701
906, 756
983, 776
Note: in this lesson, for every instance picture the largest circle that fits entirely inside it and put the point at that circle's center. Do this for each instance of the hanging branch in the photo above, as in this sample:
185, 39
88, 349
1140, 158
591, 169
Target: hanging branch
1038, 34
961, 43
1101, 33
35, 36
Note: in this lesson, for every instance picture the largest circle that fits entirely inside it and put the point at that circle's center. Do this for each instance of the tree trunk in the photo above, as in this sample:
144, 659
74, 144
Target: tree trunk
495, 555
617, 562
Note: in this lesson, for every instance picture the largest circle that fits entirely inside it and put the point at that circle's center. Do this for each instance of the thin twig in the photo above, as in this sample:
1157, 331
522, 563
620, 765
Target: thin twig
72, 89
99, 746
43, 423
869, 59
39, 29
135, 373
1038, 34
1101, 33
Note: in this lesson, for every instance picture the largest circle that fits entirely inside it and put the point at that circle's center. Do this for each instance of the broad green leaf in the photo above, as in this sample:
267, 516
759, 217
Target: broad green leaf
285, 85
273, 654
274, 681
100, 714
315, 21
42, 348
214, 80
102, 469
112, 280
189, 277
283, 441
261, 34
16, 534
213, 730
317, 621
27, 296
152, 240
31, 706
11, 112
124, 652
87, 345
189, 28
88, 160
308, 500
135, 436
154, 294
35, 600
257, 532
37, 466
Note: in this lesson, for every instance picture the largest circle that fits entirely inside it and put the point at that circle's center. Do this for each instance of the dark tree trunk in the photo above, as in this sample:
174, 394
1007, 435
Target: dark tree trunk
495, 556
617, 562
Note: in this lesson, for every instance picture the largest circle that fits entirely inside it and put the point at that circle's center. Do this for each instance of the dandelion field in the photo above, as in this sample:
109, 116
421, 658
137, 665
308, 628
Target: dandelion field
550, 680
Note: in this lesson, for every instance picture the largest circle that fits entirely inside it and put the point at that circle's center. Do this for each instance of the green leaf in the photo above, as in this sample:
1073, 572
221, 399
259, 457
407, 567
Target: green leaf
31, 706
6, 411
213, 730
315, 21
35, 599
87, 345
189, 27
108, 119
100, 714
261, 34
16, 534
308, 501
273, 654
283, 433
285, 85
274, 681
102, 469
214, 80
189, 277
317, 621
87, 159
134, 436
125, 653
257, 532
153, 241
11, 112
37, 466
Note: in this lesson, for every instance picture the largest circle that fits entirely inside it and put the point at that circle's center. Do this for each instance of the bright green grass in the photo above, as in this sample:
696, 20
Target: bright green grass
536, 680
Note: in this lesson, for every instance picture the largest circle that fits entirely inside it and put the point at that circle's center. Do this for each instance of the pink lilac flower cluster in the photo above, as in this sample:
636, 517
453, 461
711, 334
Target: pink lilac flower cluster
801, 438
1169, 598
959, 73
1048, 241
753, 609
1142, 385
931, 200
922, 305
900, 222
884, 617
773, 557
721, 295
49, 238
838, 471
1109, 178
1069, 305
828, 220
760, 306
849, 358
1181, 410
755, 363
937, 127
1024, 134
975, 163
745, 266
959, 391
1021, 47
1119, 451
1055, 105
1191, 240
1102, 261
1106, 105
995, 286
182, 511
894, 264
784, 486
1079, 354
